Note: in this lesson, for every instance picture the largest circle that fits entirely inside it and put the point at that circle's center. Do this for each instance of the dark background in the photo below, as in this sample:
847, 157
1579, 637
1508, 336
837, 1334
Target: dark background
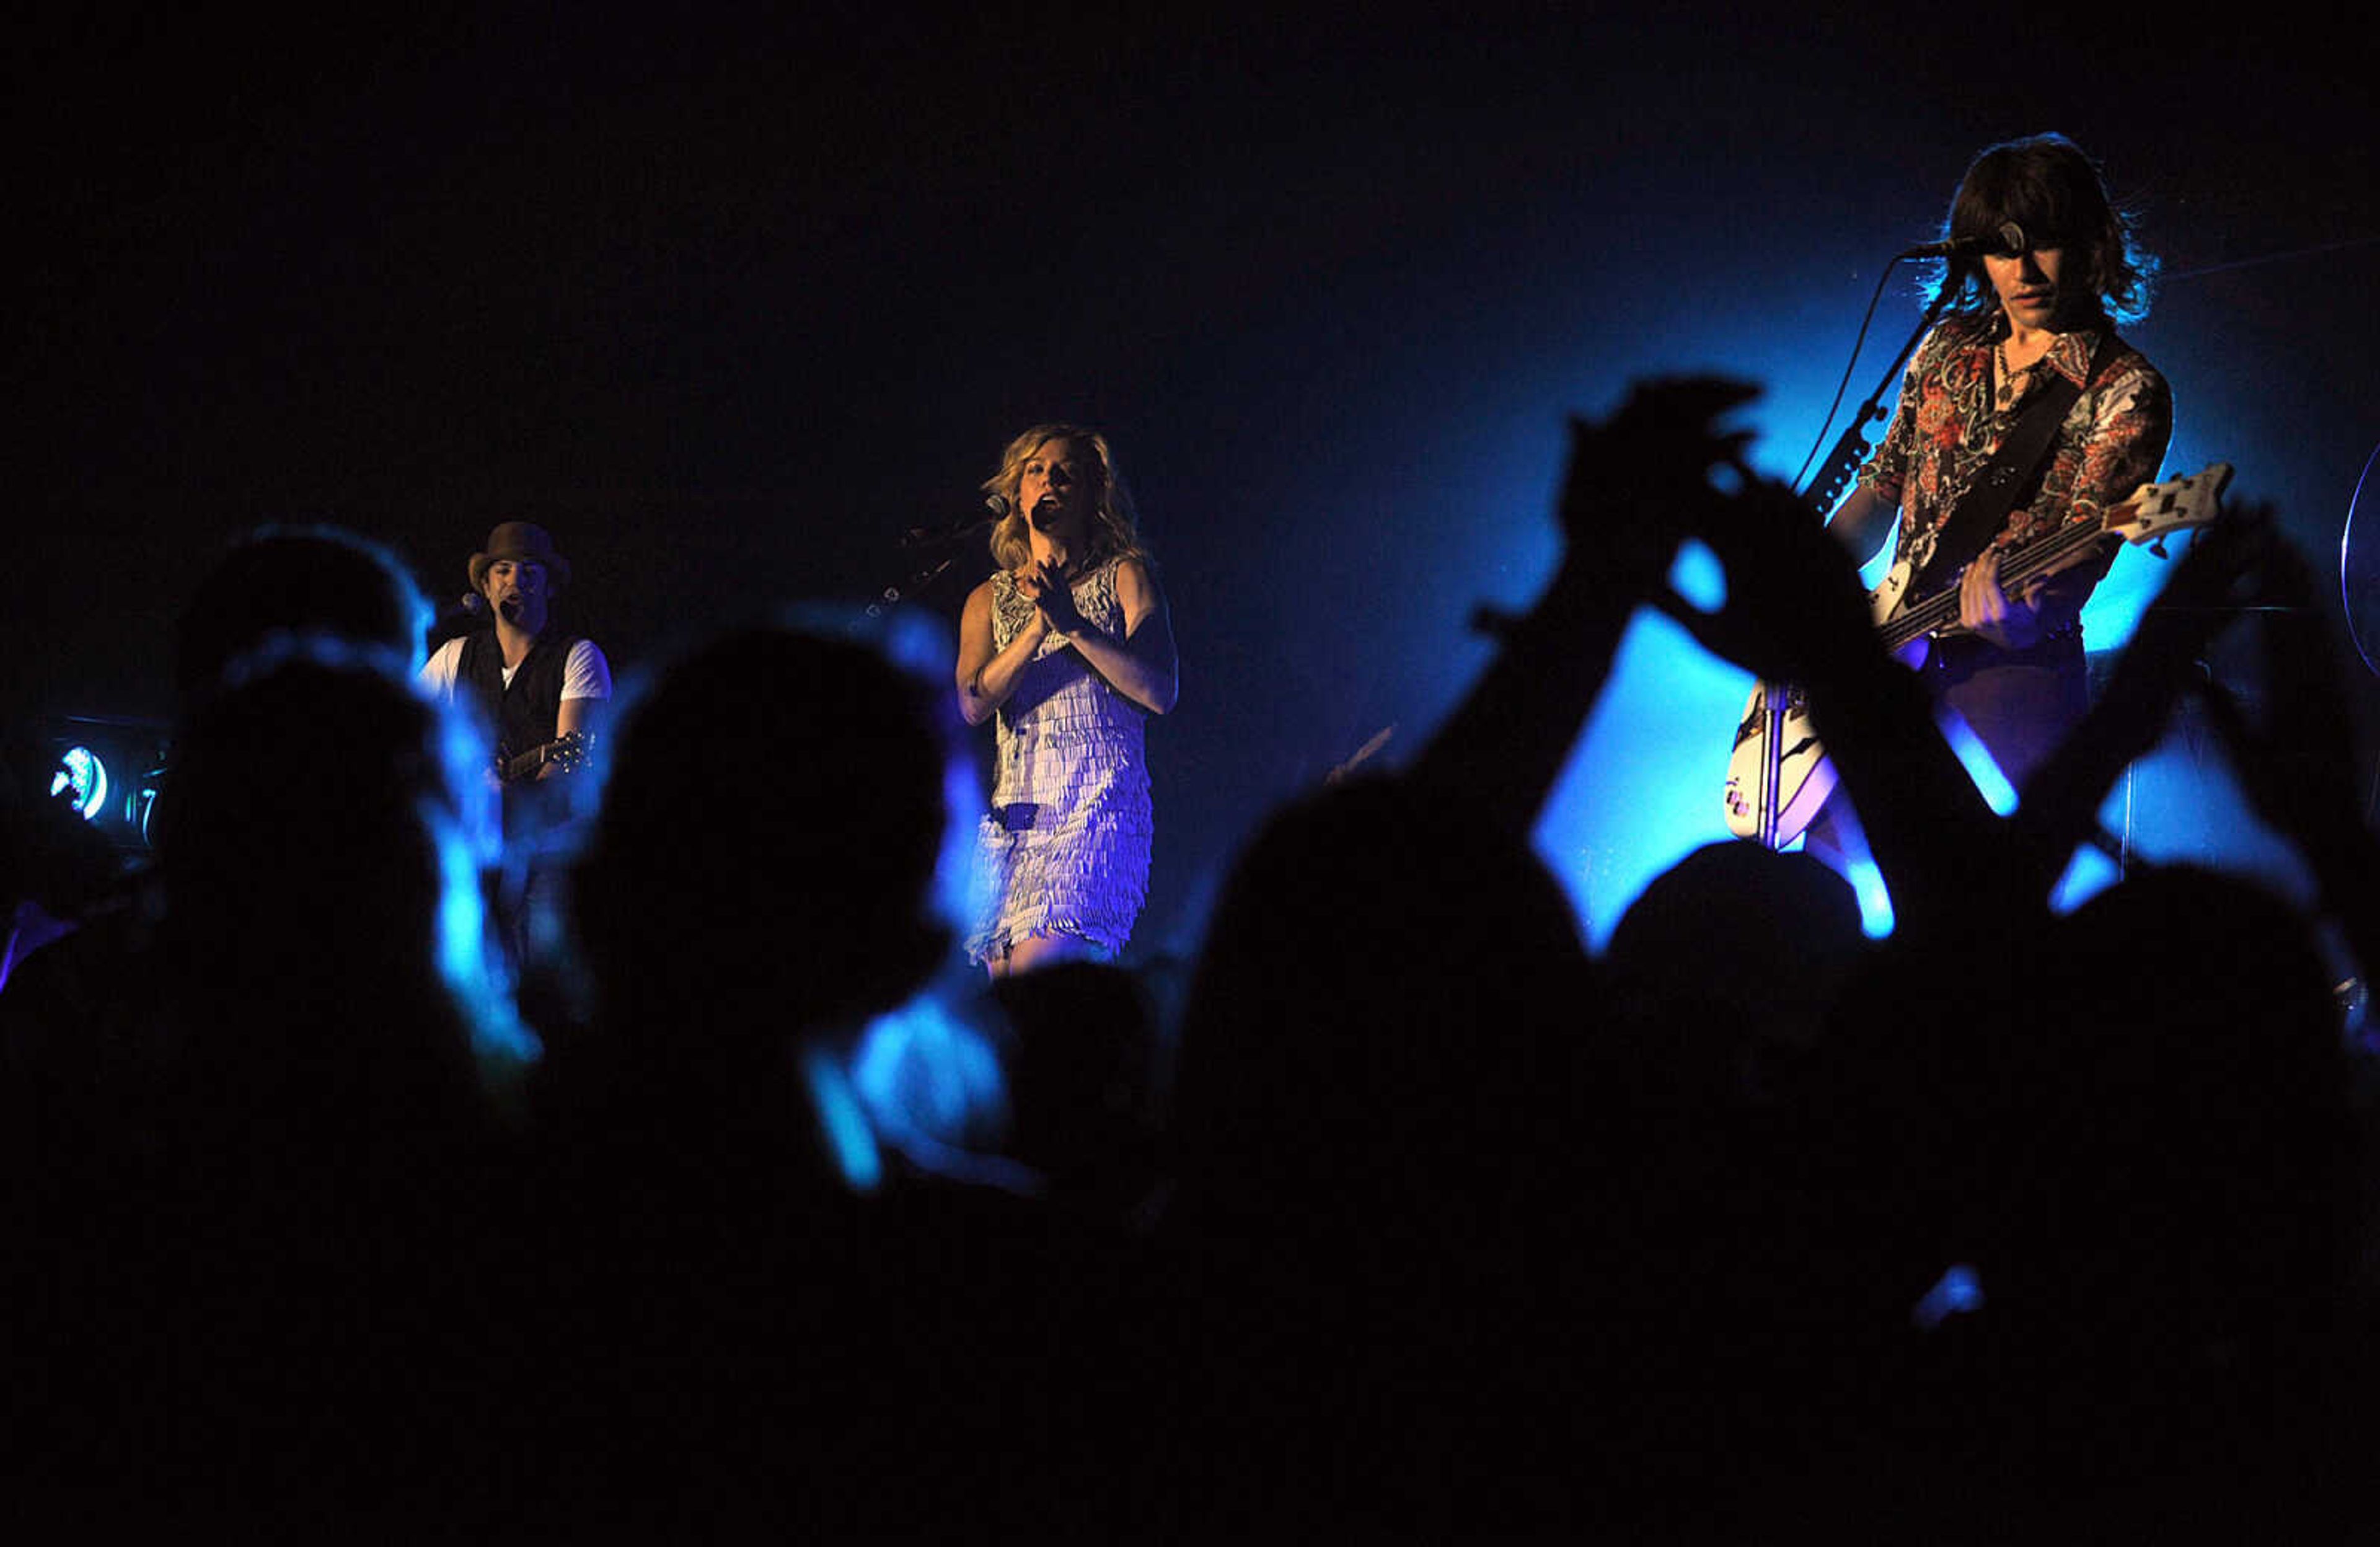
729, 301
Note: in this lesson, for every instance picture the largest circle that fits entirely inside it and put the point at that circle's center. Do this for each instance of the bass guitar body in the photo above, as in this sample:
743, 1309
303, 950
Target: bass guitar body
1776, 749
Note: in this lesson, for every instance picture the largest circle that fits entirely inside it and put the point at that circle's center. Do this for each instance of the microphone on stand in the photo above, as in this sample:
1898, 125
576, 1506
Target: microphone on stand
995, 506
2006, 242
459, 619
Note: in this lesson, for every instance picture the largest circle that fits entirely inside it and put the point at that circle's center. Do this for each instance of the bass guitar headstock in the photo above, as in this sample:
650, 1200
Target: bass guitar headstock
2157, 511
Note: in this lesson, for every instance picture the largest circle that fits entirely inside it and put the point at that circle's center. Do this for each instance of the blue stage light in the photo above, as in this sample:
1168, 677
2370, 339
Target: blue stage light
110, 767
1959, 1292
1698, 578
81, 772
844, 1120
1977, 760
1874, 898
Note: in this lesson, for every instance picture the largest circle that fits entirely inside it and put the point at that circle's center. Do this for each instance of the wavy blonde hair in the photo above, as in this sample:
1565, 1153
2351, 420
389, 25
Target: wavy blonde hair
1115, 533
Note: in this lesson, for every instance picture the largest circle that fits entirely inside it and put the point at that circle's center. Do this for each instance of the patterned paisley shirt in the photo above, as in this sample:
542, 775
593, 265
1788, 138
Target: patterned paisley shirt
1946, 428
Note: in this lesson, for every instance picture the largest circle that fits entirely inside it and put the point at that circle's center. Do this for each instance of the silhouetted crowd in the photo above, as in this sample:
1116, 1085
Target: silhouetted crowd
1410, 1217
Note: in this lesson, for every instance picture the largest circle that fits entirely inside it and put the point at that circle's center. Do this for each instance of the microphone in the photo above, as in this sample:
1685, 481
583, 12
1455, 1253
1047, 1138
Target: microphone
995, 506
459, 619
2006, 242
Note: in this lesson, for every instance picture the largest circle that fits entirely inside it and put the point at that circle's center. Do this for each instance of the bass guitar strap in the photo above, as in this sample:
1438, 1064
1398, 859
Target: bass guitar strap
1992, 495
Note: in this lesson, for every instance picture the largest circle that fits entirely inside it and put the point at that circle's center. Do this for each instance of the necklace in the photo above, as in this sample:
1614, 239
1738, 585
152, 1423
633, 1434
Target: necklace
2010, 378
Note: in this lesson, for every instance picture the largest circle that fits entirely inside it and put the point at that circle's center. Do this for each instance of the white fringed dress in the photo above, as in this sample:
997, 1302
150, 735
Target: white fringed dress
1065, 849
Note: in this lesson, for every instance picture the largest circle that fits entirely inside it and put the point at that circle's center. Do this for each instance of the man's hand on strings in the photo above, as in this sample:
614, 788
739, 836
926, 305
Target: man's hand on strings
2039, 607
2009, 622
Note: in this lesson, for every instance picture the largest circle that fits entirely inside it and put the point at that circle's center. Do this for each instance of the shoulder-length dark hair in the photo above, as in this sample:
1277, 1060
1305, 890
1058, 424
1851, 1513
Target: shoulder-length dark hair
2047, 186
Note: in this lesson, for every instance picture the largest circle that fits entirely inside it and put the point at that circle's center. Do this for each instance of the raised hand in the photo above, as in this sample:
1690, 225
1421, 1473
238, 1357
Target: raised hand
2207, 589
1641, 479
1794, 613
1793, 606
2297, 767
1637, 483
2062, 797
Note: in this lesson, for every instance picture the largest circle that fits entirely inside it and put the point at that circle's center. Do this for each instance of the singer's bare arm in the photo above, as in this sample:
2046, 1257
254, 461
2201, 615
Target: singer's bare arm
1142, 664
986, 677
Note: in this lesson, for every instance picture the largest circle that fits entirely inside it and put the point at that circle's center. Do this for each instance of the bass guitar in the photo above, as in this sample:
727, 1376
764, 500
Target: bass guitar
1776, 750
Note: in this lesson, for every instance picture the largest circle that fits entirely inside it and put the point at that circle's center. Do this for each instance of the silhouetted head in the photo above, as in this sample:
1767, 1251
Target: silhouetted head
301, 580
304, 791
320, 902
1386, 990
2182, 1089
2135, 1133
1736, 930
764, 859
1087, 1076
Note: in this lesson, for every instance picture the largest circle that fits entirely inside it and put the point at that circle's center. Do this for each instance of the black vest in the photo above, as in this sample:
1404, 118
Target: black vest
527, 714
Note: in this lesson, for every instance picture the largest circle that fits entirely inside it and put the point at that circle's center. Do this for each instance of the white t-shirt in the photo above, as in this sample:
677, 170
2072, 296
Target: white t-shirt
585, 676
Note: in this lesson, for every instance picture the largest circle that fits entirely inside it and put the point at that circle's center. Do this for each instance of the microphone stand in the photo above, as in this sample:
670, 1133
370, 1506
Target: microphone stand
454, 622
1828, 484
892, 596
920, 537
1824, 492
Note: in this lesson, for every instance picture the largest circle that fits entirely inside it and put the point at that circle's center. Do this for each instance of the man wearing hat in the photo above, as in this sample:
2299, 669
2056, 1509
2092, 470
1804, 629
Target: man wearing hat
540, 689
